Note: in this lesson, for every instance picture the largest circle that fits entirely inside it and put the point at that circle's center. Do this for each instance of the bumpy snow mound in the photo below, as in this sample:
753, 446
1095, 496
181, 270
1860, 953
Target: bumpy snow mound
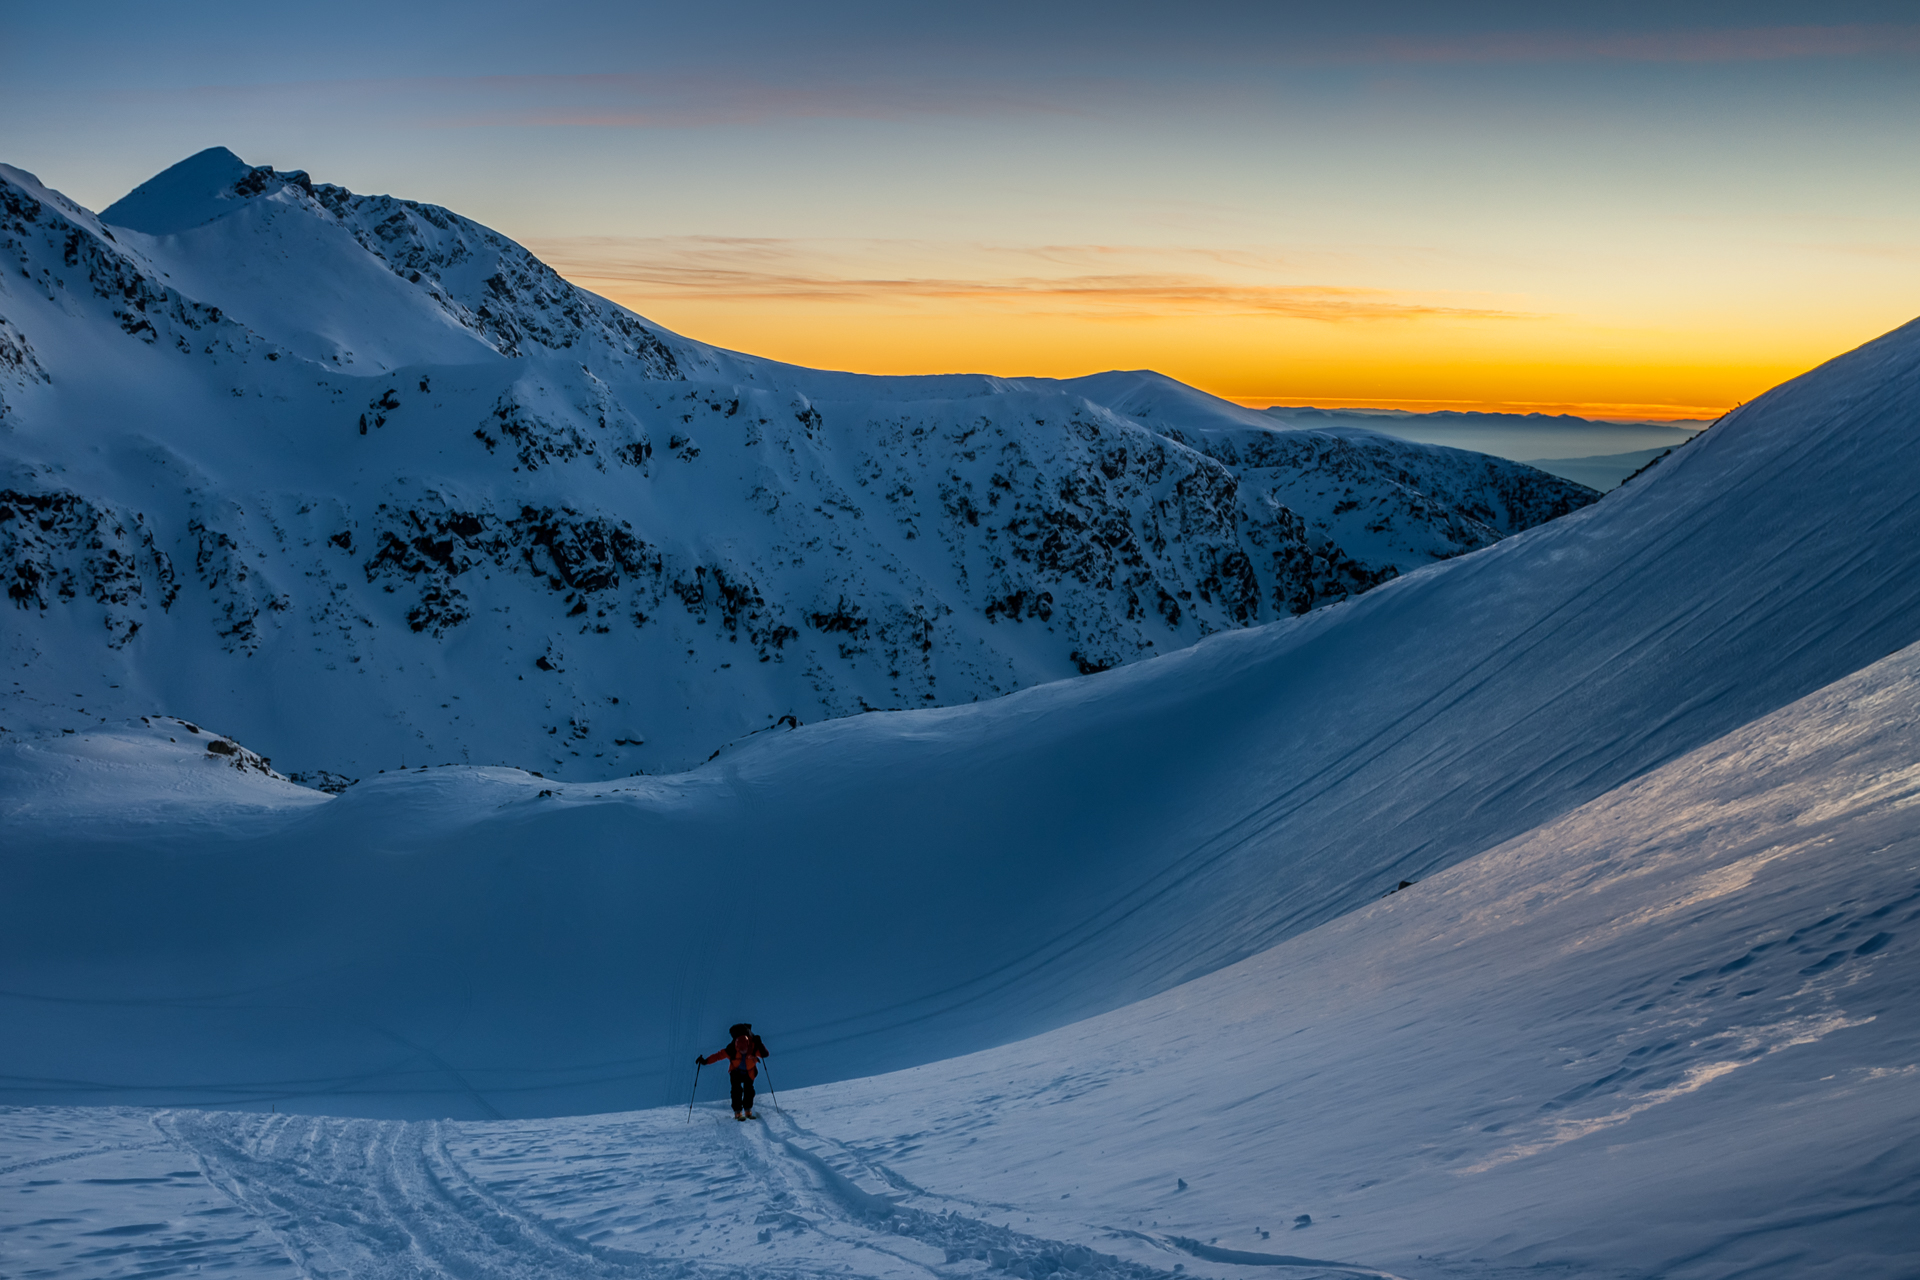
310, 463
156, 769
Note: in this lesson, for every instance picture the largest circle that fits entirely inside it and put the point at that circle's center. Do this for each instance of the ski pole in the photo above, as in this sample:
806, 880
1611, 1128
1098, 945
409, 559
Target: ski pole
771, 1091
696, 1090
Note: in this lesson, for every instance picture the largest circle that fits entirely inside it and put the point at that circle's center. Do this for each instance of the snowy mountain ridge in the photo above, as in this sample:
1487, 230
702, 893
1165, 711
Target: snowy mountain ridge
488, 288
316, 466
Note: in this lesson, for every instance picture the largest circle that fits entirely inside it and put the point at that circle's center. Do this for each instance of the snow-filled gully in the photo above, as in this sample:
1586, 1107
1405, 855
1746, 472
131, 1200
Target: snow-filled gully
372, 1199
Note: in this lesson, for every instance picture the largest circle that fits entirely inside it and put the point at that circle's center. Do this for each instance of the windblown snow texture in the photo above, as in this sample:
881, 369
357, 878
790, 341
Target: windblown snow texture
369, 486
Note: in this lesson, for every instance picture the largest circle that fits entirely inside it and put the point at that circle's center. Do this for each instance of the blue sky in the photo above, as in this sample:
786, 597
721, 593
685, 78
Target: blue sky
1630, 205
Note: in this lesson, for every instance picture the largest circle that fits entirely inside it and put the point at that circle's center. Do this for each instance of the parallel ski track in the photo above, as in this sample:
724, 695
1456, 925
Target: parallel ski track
386, 1200
383, 1200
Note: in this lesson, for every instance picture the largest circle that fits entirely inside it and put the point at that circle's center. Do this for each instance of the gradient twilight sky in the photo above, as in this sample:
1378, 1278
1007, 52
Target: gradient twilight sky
1628, 209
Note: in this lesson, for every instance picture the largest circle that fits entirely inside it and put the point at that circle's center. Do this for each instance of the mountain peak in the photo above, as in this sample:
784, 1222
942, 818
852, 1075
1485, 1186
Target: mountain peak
199, 189
409, 438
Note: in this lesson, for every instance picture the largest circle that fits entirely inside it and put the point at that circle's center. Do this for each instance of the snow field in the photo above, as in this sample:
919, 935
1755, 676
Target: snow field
1669, 1033
98, 1193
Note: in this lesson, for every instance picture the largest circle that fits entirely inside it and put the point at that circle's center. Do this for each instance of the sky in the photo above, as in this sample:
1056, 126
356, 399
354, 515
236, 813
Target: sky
1628, 210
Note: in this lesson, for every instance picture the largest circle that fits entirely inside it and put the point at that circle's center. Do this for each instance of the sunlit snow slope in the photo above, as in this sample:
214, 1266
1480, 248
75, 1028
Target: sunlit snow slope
1672, 1033
369, 486
893, 889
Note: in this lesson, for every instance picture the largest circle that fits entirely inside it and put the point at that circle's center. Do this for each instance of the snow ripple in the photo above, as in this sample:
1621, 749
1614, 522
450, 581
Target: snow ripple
373, 1200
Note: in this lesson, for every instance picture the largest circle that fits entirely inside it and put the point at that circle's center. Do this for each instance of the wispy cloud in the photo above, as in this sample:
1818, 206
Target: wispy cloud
762, 84
1703, 44
1890, 252
652, 100
747, 103
768, 270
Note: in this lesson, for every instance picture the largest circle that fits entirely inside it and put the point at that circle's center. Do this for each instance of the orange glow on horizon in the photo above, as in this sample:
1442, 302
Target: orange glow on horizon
1606, 411
1251, 341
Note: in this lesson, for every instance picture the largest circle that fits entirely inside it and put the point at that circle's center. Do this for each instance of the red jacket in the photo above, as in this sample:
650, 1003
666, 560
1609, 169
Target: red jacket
743, 1054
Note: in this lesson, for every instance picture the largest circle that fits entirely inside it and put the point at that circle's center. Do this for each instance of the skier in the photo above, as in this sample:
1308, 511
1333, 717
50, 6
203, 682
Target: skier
743, 1054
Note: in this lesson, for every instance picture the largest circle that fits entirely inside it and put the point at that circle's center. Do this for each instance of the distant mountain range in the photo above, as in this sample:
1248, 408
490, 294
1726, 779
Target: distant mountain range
368, 485
1598, 454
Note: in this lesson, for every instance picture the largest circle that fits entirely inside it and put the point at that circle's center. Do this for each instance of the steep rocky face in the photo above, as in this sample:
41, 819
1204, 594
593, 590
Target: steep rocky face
518, 298
61, 548
366, 483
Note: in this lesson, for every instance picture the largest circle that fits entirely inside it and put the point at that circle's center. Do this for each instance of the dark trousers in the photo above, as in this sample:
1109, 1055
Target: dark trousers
742, 1090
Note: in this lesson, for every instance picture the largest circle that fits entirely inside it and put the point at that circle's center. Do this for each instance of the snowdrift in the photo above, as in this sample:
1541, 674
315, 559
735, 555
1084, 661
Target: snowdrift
900, 888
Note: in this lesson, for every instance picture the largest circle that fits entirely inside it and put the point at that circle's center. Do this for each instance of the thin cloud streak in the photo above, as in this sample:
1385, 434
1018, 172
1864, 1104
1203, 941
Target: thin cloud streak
756, 91
761, 270
1748, 44
1909, 252
672, 100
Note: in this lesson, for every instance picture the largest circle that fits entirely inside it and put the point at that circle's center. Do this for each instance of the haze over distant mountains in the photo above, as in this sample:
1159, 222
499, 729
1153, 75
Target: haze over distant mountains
1598, 454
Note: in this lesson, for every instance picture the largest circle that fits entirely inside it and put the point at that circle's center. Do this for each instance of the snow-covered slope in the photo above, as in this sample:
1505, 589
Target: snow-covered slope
898, 888
128, 775
1669, 1034
368, 485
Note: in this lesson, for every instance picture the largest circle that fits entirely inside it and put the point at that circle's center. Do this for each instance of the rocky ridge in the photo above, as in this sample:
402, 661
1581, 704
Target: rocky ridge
368, 483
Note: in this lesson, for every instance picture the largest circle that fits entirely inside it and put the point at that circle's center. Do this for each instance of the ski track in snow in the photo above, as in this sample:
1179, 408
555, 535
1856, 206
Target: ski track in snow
373, 1199
370, 1199
86, 1153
